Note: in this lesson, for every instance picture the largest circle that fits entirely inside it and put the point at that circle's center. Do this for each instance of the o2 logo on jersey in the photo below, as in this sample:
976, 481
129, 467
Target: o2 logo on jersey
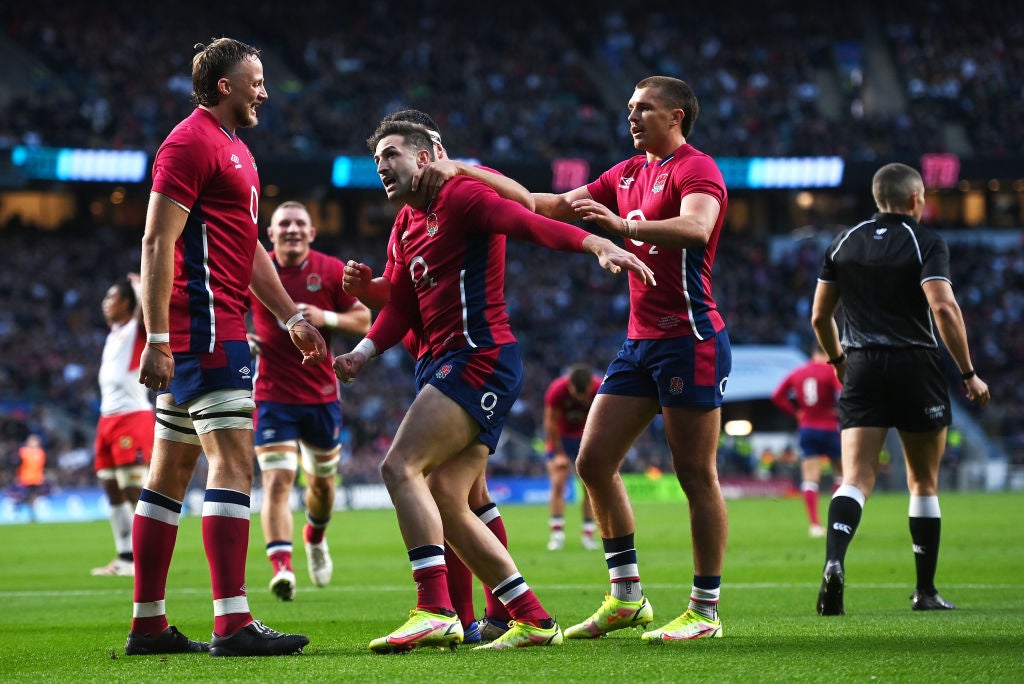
431, 225
487, 402
254, 204
638, 215
420, 274
659, 183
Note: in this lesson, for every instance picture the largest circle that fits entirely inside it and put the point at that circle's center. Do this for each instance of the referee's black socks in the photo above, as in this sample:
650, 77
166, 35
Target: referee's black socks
844, 512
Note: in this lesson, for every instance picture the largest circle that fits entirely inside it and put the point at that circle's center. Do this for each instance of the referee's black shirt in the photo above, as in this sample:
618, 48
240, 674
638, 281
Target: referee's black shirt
879, 266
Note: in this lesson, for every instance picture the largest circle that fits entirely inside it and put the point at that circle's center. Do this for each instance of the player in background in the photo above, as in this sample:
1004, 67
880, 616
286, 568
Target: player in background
298, 409
449, 272
810, 394
375, 292
567, 402
124, 434
669, 203
891, 277
30, 478
200, 259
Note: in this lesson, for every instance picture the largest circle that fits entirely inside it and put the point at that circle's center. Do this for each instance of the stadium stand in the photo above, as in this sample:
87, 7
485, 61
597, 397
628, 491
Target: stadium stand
508, 84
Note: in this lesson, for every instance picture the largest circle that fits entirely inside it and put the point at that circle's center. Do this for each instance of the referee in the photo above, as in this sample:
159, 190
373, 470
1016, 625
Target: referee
891, 277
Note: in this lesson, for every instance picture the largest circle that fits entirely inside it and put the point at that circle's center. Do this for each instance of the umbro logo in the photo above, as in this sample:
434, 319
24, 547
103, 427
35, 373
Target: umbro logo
624, 183
245, 372
236, 161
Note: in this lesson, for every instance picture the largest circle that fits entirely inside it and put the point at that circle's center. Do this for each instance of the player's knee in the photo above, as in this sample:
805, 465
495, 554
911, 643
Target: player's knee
478, 498
394, 471
591, 470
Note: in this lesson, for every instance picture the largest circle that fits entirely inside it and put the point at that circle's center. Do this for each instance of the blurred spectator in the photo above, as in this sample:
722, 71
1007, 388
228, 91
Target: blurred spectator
519, 82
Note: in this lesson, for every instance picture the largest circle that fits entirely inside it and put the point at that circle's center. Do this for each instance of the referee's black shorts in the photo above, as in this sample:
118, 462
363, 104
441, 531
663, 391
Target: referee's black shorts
895, 387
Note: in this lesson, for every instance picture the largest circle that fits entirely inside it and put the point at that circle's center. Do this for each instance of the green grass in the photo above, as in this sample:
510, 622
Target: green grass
59, 624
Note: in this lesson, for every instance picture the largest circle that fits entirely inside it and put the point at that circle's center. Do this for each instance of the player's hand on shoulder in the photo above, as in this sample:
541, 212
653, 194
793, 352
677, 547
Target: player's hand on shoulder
434, 175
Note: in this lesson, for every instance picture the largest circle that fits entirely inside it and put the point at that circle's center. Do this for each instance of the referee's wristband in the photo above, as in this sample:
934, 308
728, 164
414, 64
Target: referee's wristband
158, 338
838, 360
290, 323
968, 375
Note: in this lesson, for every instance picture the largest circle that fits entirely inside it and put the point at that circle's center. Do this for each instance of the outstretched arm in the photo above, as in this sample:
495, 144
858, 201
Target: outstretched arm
437, 173
502, 216
560, 207
698, 214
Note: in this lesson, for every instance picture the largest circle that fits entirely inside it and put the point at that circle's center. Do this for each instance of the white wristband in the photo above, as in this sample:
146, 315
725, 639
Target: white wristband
366, 347
158, 338
290, 323
330, 319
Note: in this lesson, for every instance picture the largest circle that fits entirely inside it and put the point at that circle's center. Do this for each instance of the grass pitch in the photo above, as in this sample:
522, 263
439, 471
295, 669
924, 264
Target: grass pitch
59, 624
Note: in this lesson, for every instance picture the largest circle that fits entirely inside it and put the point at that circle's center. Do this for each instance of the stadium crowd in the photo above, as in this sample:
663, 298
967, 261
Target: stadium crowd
537, 81
862, 80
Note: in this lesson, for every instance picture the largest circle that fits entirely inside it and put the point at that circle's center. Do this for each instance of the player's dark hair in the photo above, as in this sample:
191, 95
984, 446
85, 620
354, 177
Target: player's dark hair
580, 377
415, 116
213, 62
126, 291
416, 136
676, 94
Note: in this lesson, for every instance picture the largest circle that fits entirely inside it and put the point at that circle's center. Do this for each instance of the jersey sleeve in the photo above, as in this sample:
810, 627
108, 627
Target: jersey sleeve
603, 188
551, 394
935, 259
703, 176
181, 168
489, 212
398, 315
828, 264
780, 397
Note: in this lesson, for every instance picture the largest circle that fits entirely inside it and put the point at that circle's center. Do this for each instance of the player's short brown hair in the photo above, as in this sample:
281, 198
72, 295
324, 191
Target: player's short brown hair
213, 62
